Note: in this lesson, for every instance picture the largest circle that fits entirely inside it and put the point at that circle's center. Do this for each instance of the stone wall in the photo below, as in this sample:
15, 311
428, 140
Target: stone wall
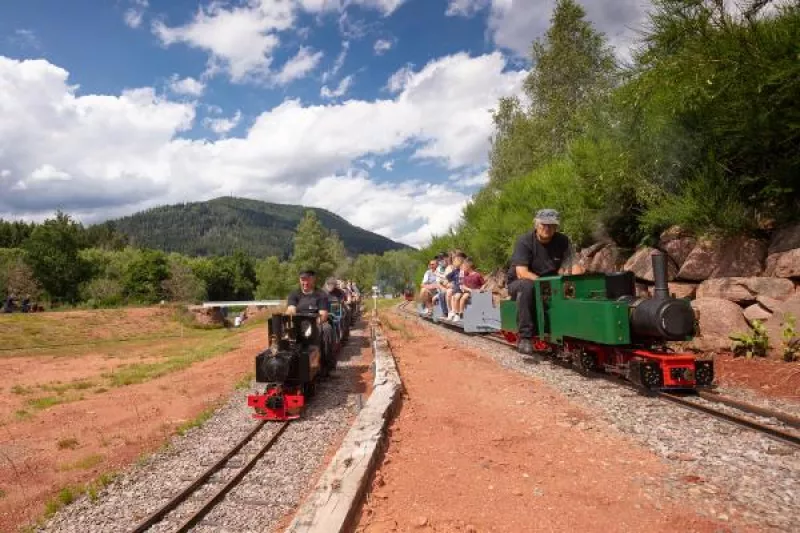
731, 281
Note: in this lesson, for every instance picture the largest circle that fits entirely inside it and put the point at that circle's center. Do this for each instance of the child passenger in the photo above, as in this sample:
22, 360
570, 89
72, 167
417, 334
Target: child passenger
454, 284
471, 281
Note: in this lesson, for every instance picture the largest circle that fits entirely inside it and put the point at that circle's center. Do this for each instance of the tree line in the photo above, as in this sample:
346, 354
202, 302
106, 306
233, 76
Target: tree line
701, 129
62, 262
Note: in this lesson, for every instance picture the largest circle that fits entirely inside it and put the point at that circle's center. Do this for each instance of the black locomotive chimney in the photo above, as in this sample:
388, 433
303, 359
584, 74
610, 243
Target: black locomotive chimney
661, 290
276, 327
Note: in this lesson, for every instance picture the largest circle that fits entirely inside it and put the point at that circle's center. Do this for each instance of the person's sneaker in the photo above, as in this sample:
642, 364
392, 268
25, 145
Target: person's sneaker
525, 347
455, 318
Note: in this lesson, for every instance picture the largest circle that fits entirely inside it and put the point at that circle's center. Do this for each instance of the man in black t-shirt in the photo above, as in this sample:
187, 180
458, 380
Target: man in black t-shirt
541, 252
309, 299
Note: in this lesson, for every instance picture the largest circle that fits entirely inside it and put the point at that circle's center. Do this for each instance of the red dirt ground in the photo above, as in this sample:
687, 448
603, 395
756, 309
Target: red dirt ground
777, 379
112, 428
478, 448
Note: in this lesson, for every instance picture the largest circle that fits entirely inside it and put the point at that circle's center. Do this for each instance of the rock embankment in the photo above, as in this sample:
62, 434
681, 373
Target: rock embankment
732, 281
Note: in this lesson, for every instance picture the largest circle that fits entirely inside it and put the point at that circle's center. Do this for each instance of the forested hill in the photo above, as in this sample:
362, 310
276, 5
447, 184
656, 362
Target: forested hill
224, 225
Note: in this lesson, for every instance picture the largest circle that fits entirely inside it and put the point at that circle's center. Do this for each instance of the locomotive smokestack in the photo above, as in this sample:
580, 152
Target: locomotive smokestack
276, 329
661, 290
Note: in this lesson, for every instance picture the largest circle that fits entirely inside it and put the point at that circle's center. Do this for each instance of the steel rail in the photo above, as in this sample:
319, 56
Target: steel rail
786, 418
212, 501
182, 495
783, 436
179, 498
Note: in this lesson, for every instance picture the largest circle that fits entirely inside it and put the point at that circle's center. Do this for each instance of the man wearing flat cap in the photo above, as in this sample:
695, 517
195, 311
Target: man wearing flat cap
309, 299
541, 252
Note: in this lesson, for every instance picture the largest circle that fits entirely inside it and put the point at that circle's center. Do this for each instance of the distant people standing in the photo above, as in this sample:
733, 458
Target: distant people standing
26, 304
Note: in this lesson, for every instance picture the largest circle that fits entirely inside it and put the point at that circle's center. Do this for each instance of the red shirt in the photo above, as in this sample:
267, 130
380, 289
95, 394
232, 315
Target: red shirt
473, 280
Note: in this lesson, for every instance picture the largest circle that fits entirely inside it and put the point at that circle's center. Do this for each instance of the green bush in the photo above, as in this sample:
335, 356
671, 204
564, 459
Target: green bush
102, 292
755, 344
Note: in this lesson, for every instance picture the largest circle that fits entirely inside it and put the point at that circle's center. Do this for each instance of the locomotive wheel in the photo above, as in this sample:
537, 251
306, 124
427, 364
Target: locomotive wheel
585, 362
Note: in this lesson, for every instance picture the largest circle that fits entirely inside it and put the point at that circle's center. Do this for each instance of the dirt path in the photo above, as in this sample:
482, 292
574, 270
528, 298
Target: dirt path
73, 443
476, 448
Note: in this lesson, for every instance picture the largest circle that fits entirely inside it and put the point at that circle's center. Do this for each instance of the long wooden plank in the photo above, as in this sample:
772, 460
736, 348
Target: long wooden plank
332, 506
246, 303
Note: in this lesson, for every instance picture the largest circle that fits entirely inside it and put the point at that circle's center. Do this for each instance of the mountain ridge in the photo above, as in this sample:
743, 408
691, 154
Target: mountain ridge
223, 225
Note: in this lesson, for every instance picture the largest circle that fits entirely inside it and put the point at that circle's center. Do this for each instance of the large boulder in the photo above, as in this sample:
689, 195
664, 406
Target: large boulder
783, 264
778, 321
641, 264
496, 283
701, 261
717, 319
745, 291
785, 239
683, 290
722, 258
756, 312
676, 289
606, 260
770, 304
678, 244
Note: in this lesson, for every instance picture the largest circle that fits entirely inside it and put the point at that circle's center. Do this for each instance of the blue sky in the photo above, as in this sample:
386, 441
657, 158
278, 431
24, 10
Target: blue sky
375, 109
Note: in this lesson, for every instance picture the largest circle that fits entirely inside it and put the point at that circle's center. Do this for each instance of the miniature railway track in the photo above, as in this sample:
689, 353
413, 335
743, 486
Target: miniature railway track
209, 504
784, 436
712, 397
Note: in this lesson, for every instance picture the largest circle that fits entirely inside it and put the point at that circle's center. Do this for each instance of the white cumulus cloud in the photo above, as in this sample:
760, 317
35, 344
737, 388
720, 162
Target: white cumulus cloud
514, 25
465, 8
240, 39
338, 64
382, 46
298, 66
221, 126
387, 7
99, 156
339, 91
134, 14
188, 86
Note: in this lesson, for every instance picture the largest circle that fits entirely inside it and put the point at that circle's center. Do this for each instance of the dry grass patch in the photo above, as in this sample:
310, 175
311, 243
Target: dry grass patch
67, 444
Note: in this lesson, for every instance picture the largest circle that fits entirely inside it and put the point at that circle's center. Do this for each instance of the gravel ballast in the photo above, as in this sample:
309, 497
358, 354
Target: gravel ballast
266, 495
727, 470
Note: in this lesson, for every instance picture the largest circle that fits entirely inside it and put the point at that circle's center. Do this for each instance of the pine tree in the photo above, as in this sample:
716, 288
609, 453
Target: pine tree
312, 247
573, 69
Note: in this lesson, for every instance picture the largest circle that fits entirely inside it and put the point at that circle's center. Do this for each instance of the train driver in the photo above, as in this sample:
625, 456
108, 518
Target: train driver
541, 252
309, 299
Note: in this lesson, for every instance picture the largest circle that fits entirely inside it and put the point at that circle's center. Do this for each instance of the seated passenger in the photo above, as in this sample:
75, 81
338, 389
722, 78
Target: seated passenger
472, 281
453, 291
542, 252
429, 287
336, 294
442, 269
309, 299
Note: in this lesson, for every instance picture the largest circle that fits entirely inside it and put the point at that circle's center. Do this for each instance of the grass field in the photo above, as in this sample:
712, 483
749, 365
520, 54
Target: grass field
85, 391
83, 353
